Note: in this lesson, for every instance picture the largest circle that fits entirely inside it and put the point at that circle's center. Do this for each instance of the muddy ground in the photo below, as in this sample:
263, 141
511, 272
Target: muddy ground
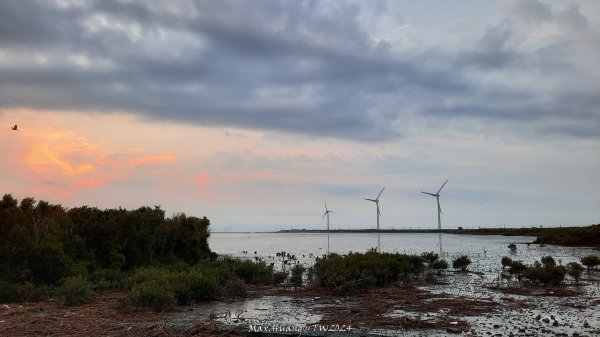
424, 309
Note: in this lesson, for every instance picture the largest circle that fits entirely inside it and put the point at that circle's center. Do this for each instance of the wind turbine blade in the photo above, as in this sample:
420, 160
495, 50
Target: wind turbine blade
428, 193
331, 212
438, 192
380, 193
324, 215
370, 200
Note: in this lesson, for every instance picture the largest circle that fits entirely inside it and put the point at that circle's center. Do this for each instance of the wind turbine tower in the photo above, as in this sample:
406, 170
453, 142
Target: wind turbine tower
437, 197
327, 211
376, 201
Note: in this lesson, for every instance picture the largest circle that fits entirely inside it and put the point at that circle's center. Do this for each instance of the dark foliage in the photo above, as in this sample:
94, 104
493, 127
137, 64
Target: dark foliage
358, 272
296, 277
461, 262
44, 243
575, 270
546, 274
591, 261
430, 257
439, 266
506, 261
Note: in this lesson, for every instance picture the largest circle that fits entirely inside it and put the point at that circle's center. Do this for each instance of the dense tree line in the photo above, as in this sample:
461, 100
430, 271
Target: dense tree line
43, 243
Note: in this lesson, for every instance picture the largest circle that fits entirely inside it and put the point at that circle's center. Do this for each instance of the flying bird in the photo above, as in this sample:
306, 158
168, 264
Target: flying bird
14, 127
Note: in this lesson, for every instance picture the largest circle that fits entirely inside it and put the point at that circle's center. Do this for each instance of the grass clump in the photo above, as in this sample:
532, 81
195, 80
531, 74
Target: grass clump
76, 290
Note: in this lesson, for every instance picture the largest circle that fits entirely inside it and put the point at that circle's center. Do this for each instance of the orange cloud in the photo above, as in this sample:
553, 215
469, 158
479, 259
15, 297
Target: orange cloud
63, 161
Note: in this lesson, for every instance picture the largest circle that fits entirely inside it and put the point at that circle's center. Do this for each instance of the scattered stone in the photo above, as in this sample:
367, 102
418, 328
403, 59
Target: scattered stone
546, 320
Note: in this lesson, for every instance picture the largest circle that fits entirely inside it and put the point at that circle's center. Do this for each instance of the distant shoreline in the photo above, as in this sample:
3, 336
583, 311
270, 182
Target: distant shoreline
564, 236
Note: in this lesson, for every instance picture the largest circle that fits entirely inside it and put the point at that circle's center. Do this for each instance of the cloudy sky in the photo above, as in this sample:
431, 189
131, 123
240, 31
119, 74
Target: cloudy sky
254, 113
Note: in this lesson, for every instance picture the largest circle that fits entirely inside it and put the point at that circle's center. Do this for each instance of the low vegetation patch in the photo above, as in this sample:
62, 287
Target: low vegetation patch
544, 272
76, 291
461, 262
591, 262
358, 272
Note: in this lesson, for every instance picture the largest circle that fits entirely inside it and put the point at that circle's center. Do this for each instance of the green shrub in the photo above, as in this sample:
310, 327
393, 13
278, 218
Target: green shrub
203, 288
574, 270
590, 261
195, 284
439, 266
235, 288
357, 272
249, 271
430, 257
48, 263
10, 293
296, 275
517, 268
512, 247
23, 292
107, 279
506, 261
76, 290
153, 294
461, 262
548, 275
545, 273
279, 277
548, 261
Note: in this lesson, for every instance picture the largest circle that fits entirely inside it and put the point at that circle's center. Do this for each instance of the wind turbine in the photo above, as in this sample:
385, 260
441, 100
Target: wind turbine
376, 201
327, 211
437, 197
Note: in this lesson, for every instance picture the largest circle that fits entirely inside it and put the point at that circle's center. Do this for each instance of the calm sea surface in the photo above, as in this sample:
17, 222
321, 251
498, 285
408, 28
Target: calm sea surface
484, 250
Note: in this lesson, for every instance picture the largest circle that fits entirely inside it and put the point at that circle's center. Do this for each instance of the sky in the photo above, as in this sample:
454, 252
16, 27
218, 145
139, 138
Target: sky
256, 113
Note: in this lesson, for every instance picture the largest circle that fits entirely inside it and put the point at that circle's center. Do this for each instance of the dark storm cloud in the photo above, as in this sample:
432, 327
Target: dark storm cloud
301, 66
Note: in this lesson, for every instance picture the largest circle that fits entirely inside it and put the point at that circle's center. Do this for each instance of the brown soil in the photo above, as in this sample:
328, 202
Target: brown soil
105, 317
372, 307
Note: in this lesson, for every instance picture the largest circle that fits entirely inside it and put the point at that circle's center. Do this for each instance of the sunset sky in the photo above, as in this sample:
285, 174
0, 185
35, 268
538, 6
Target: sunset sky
254, 113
